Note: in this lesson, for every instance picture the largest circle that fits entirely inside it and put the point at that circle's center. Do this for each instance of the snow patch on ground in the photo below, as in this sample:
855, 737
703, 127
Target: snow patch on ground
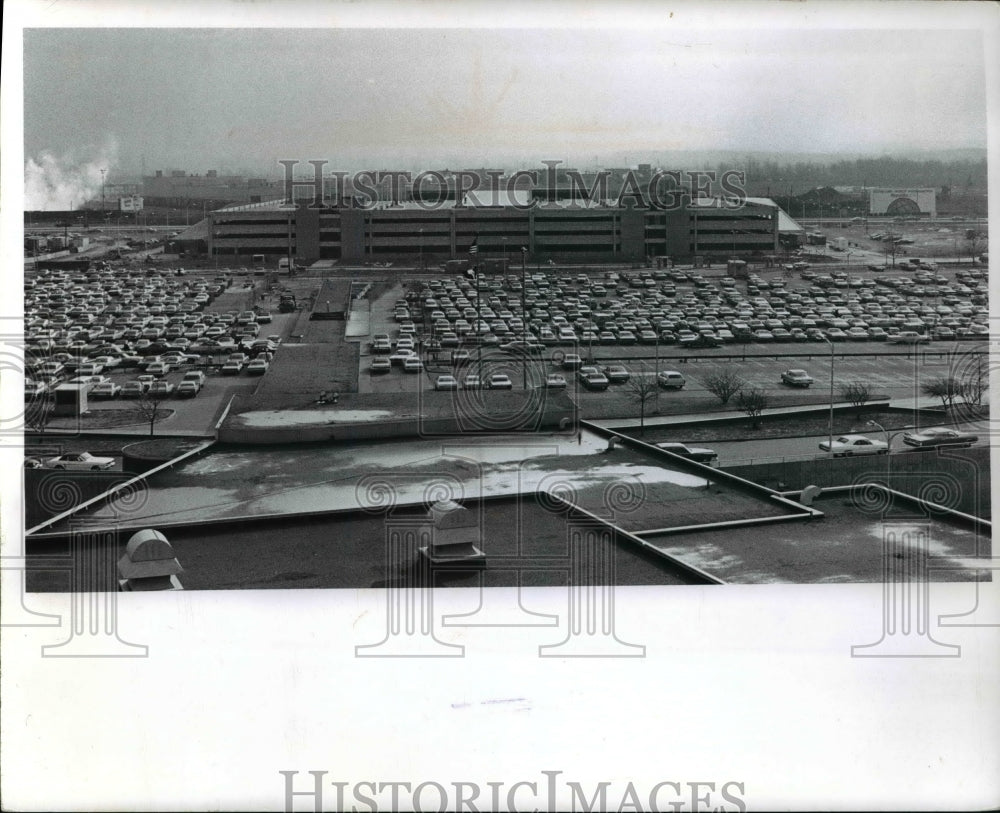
278, 417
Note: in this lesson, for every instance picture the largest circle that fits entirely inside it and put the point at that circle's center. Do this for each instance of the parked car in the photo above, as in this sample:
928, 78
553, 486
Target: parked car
940, 436
616, 373
34, 389
596, 381
380, 364
670, 379
472, 382
257, 367
161, 389
196, 377
187, 389
105, 389
555, 382
522, 347
82, 461
232, 367
572, 361
413, 364
695, 453
908, 337
446, 382
499, 381
796, 378
849, 445
134, 389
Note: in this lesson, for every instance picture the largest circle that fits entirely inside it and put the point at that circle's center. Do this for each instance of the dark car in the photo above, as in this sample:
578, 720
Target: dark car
697, 454
941, 436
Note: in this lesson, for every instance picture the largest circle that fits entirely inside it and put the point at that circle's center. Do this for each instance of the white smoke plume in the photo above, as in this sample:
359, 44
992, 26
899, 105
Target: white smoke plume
54, 183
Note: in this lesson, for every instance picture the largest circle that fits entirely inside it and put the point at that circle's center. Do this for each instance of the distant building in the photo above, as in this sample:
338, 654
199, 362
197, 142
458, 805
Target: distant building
903, 202
588, 232
132, 203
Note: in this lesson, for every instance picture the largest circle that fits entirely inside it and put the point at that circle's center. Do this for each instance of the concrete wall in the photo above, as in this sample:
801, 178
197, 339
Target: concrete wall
444, 425
958, 479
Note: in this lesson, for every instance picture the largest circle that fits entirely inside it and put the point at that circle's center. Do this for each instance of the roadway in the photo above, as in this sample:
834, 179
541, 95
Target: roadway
748, 452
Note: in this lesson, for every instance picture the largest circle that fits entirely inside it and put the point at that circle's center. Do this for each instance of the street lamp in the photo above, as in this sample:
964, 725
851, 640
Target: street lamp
829, 342
888, 448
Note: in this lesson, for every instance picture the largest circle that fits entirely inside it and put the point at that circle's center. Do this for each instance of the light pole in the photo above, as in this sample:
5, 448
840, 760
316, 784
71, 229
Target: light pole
102, 191
829, 342
421, 249
888, 448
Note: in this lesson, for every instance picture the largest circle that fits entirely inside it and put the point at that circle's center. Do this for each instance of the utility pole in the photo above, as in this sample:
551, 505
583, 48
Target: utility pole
102, 191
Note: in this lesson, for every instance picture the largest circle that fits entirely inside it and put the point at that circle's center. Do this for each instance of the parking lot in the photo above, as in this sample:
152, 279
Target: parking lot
888, 328
125, 334
120, 331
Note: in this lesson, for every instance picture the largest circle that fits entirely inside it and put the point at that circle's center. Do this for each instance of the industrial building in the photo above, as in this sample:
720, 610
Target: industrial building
415, 233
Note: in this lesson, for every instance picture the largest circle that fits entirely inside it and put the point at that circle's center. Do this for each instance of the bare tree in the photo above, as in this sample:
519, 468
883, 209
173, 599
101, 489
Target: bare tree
975, 243
724, 384
974, 386
947, 389
642, 389
856, 393
148, 406
752, 402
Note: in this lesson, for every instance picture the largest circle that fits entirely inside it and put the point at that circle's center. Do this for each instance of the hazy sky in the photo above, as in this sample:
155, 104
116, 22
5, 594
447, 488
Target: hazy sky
243, 98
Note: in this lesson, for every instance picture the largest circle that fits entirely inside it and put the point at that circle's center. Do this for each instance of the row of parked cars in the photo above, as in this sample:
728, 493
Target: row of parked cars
86, 327
591, 377
695, 312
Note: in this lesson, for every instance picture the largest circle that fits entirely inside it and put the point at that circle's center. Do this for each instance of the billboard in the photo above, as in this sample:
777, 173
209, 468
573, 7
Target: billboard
902, 202
132, 203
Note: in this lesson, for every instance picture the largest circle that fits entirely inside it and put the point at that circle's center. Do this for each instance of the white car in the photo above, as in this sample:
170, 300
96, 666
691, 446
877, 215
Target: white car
500, 382
105, 389
670, 380
796, 378
849, 445
83, 461
555, 382
446, 382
